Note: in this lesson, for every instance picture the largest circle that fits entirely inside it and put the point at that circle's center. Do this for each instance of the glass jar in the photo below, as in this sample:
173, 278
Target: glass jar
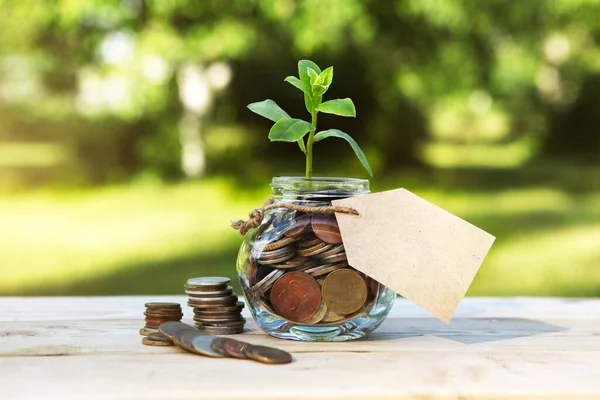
294, 273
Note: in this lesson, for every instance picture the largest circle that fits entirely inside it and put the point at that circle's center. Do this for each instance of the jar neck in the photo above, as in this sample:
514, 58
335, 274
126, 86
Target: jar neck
292, 188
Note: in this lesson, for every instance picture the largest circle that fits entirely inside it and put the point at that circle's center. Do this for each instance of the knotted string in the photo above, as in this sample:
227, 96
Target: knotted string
256, 216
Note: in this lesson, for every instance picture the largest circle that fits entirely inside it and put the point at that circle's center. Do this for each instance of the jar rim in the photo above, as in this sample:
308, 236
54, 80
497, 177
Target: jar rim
323, 186
317, 180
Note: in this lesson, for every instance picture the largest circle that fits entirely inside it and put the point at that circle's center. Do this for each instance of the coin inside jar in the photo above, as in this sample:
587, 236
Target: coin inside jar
326, 228
296, 296
344, 291
298, 226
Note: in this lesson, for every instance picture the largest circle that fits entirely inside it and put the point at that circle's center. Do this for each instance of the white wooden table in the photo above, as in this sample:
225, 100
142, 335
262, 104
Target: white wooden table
89, 347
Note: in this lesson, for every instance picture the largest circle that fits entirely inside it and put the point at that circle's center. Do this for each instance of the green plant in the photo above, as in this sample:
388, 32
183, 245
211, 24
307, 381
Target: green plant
313, 83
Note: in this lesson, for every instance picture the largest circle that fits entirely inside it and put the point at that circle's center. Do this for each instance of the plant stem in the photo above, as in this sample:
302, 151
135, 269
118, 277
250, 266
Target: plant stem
309, 143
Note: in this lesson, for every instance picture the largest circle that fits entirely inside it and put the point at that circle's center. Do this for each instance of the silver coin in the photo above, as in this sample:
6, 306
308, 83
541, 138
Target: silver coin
277, 253
335, 250
314, 250
325, 269
335, 258
199, 343
267, 282
222, 331
223, 324
219, 293
209, 281
210, 302
236, 318
272, 261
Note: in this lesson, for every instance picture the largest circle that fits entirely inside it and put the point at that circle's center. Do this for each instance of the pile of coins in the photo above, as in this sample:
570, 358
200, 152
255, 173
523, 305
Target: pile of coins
216, 306
297, 269
197, 342
157, 313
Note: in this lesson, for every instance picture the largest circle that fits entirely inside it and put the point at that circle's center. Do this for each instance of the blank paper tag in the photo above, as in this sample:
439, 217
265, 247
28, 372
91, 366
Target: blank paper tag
415, 248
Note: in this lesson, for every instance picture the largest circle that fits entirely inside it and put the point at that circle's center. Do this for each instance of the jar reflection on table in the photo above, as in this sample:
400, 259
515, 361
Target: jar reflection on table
295, 274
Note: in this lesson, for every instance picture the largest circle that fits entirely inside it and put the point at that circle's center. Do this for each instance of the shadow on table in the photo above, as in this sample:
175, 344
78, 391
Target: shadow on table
466, 330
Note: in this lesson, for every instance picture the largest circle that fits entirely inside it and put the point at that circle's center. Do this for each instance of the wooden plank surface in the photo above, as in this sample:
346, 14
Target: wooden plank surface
89, 347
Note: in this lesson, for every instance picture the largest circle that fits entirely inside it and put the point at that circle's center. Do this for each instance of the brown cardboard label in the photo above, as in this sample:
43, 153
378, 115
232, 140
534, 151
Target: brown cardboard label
421, 251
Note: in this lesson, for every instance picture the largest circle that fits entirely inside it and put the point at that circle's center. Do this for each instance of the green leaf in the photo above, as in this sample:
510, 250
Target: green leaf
313, 75
268, 109
299, 84
302, 67
339, 134
326, 77
308, 101
344, 107
318, 90
289, 130
301, 145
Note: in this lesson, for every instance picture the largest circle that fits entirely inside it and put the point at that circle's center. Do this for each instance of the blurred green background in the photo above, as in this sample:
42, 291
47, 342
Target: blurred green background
126, 147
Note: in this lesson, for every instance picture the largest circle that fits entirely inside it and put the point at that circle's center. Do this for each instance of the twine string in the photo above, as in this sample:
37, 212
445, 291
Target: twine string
256, 216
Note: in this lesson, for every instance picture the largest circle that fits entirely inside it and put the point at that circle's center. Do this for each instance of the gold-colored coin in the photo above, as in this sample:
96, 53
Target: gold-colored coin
267, 355
151, 342
318, 317
314, 250
146, 331
344, 291
330, 316
278, 243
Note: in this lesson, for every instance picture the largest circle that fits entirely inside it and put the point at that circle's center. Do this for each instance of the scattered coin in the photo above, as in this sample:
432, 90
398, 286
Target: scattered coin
267, 355
344, 291
326, 228
197, 342
172, 329
296, 296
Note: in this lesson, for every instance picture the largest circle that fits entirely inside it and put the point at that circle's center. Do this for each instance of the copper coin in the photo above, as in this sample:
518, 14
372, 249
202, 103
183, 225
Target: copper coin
235, 348
211, 302
296, 296
344, 291
152, 315
309, 242
214, 320
162, 305
326, 228
237, 307
223, 330
298, 226
267, 355
218, 345
292, 263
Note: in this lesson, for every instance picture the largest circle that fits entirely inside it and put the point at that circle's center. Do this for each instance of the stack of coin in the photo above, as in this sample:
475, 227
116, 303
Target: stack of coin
157, 313
298, 270
216, 306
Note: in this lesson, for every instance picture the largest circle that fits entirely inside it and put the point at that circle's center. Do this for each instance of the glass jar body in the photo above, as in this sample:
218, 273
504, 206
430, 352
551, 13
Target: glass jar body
294, 273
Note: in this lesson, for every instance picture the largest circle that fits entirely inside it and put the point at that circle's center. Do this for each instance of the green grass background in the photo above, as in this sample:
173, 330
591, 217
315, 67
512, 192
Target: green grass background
148, 239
